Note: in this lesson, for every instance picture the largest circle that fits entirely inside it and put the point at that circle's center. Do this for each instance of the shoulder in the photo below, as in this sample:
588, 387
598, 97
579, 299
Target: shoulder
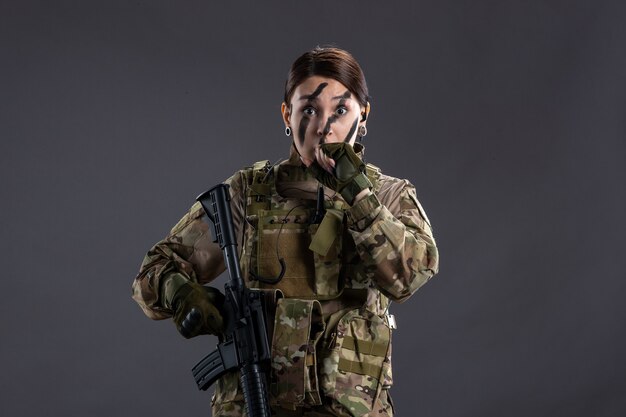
247, 174
387, 187
398, 195
243, 177
237, 182
196, 211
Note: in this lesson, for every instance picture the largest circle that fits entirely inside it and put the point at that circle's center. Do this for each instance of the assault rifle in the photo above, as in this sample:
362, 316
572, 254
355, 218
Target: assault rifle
244, 345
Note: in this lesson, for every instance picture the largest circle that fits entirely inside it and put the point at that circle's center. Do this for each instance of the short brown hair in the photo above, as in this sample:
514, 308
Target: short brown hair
331, 62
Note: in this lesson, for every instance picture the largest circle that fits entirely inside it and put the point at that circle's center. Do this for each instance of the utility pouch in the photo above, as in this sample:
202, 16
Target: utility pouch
312, 272
357, 365
297, 329
283, 234
326, 245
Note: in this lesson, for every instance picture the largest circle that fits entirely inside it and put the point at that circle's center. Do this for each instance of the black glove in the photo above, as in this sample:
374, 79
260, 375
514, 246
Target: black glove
197, 310
349, 177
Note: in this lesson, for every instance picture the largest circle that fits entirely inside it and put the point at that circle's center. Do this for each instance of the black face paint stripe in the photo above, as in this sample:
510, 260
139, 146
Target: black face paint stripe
344, 97
332, 119
315, 93
304, 123
352, 129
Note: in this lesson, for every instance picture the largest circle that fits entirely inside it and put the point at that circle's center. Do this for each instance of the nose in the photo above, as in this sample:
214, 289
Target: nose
324, 127
319, 131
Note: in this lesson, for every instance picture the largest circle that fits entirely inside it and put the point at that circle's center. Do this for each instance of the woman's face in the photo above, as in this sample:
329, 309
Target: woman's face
322, 110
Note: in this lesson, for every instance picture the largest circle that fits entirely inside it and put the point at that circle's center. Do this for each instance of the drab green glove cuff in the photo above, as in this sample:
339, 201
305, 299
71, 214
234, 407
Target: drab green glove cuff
349, 177
170, 286
354, 187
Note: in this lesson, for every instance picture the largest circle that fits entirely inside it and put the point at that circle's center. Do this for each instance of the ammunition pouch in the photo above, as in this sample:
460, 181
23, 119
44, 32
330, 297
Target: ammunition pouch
297, 329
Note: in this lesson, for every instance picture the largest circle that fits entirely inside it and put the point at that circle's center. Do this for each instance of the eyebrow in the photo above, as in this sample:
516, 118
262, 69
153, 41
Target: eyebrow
344, 96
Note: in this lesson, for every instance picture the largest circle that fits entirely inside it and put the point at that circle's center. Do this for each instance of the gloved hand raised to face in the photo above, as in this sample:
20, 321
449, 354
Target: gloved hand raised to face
197, 309
348, 176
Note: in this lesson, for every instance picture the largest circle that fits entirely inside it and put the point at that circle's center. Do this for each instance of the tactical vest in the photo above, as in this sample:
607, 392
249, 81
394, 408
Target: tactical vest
278, 230
346, 356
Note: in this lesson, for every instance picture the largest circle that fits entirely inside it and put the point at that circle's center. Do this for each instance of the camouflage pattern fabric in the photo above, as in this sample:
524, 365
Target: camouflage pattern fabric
354, 370
383, 407
297, 328
383, 251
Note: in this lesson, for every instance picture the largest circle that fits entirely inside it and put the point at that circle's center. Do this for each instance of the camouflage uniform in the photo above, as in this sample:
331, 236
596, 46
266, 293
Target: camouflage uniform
331, 345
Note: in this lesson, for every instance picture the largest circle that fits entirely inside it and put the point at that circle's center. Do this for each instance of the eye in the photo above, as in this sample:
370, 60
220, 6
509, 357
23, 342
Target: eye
309, 111
341, 110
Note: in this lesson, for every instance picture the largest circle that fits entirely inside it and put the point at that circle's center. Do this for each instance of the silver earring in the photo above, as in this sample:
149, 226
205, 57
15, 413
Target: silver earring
288, 131
362, 131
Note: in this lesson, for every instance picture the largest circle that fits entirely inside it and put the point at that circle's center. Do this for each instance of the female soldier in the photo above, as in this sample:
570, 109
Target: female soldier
350, 240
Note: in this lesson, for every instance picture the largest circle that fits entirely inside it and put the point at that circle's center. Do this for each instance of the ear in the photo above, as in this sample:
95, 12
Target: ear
284, 109
365, 113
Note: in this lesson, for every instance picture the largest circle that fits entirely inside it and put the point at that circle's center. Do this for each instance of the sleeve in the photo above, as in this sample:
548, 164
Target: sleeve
394, 240
186, 253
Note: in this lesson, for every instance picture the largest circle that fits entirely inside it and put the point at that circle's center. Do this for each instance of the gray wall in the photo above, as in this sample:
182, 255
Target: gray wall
507, 116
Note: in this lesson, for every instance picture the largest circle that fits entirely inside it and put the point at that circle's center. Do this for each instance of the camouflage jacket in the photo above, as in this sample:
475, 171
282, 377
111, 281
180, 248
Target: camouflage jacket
338, 282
